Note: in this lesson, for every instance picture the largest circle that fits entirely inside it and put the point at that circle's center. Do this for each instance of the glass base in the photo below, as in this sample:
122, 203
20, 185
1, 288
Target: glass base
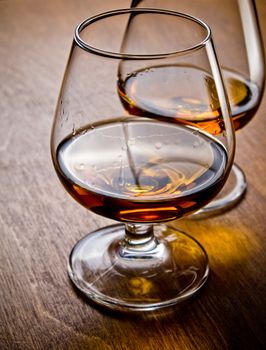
171, 269
232, 193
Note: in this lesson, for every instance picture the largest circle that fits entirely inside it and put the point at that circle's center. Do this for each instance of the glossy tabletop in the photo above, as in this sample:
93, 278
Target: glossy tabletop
39, 222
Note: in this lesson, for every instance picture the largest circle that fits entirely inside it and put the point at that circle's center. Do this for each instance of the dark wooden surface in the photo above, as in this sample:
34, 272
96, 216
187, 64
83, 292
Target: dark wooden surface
39, 222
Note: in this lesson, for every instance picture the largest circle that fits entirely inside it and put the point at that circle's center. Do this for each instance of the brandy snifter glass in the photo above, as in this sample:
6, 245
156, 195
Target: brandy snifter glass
235, 28
116, 161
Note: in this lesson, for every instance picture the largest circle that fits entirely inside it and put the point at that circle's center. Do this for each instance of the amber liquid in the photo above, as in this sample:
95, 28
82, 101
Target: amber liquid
187, 95
141, 170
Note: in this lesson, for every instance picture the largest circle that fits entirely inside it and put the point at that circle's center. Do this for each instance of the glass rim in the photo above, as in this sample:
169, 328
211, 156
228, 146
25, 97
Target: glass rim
85, 46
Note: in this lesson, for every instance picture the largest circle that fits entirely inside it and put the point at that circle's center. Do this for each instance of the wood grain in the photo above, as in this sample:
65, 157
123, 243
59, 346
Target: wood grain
39, 308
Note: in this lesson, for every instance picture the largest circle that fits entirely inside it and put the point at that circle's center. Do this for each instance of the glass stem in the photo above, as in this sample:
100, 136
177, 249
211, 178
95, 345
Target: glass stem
139, 240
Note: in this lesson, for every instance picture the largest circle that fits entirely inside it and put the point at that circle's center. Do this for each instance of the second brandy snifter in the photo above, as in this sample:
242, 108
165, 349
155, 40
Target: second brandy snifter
143, 172
239, 45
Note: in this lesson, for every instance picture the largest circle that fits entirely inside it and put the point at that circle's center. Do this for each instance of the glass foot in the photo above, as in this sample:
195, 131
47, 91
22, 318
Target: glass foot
172, 268
232, 193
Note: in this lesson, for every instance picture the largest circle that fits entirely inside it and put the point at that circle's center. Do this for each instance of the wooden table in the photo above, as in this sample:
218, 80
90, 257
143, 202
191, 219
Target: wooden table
39, 308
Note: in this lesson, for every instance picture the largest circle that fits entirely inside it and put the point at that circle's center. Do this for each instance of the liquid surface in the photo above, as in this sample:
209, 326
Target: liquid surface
187, 94
141, 170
